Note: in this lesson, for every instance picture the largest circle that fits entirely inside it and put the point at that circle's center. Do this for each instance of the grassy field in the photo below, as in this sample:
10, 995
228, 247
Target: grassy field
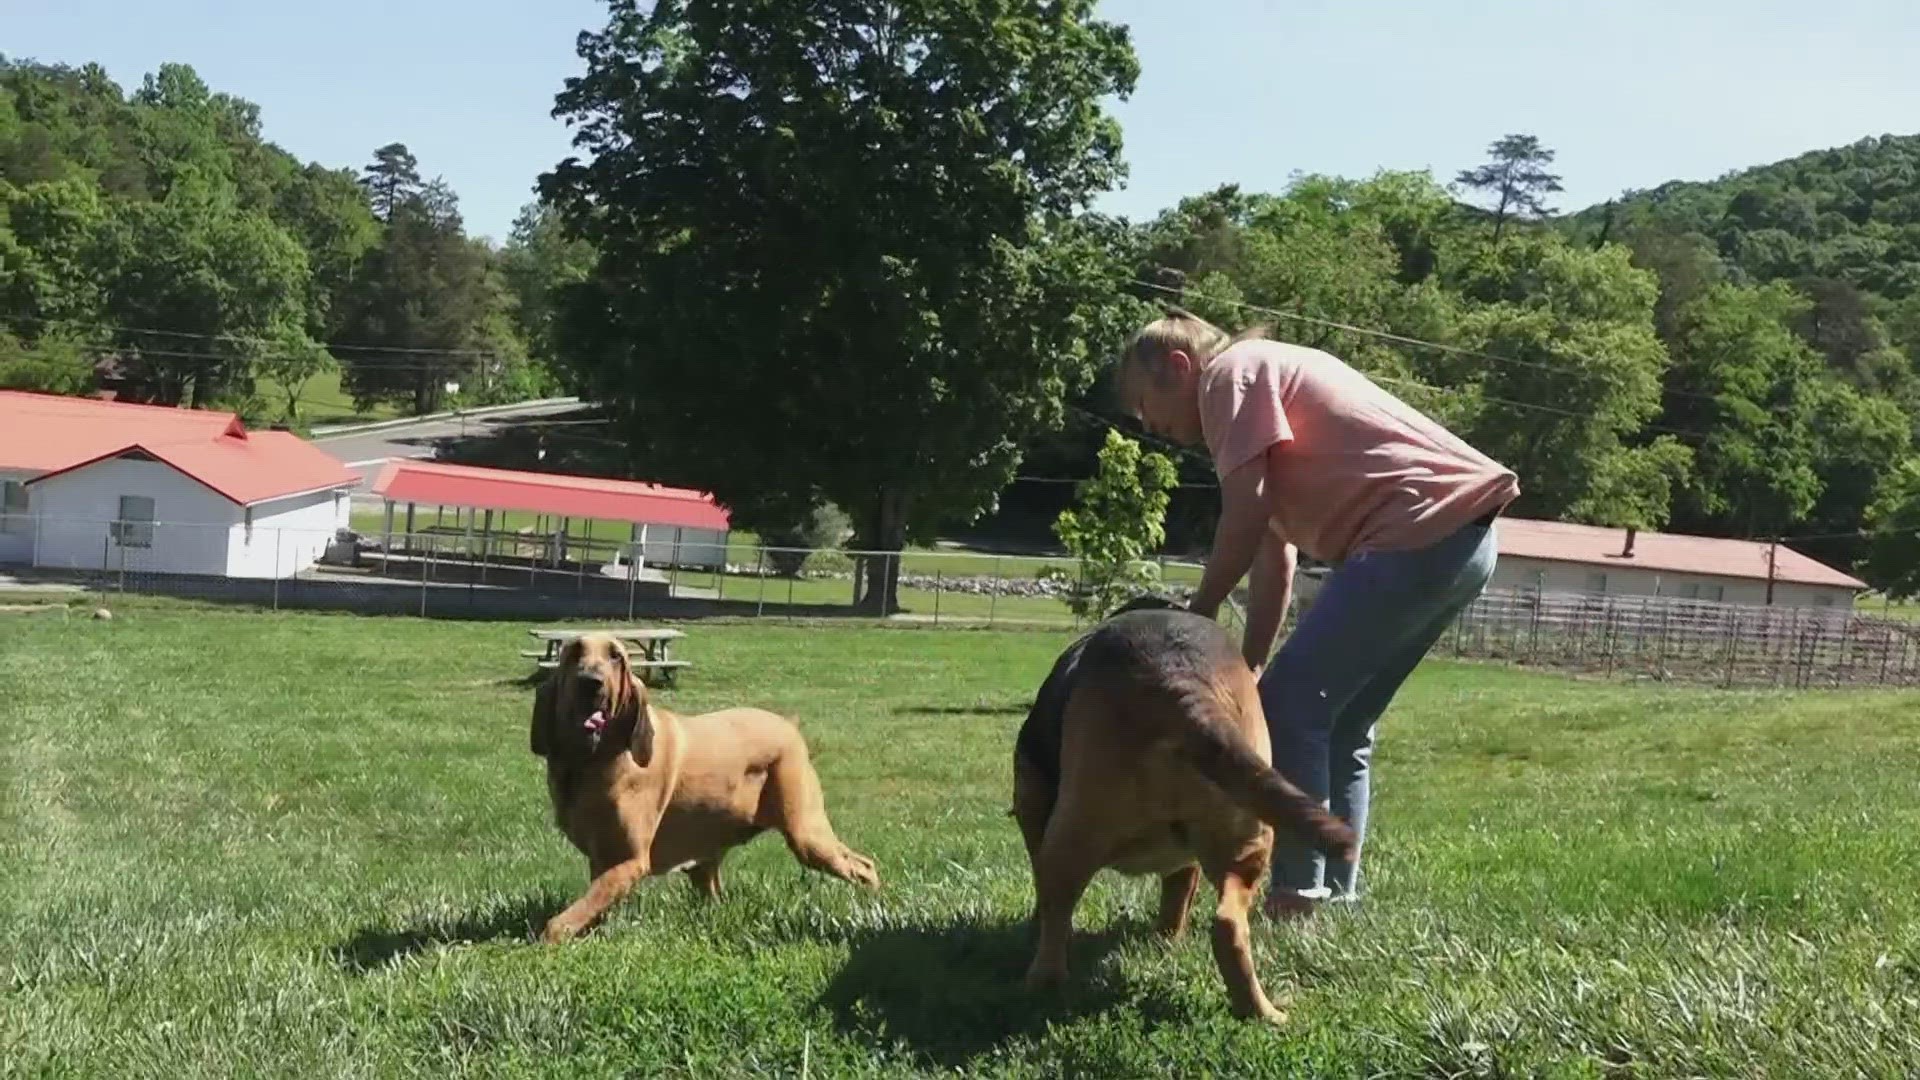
324, 401
298, 845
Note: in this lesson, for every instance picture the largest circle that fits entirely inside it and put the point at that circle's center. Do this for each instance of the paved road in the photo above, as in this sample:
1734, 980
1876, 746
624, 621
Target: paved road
365, 452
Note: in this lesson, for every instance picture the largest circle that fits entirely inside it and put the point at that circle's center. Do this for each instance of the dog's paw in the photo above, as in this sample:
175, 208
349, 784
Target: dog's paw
859, 869
1267, 1013
1042, 978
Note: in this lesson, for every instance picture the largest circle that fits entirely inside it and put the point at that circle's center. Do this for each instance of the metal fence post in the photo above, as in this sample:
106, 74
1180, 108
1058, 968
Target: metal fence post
938, 579
1733, 645
424, 555
993, 600
673, 575
632, 581
760, 568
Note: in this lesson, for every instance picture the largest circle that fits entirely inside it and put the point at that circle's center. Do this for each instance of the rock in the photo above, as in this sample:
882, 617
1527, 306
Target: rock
102, 614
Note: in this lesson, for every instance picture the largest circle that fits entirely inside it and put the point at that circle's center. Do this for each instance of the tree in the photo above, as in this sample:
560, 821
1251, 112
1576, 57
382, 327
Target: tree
1744, 382
1118, 522
53, 364
202, 289
1516, 180
418, 315
392, 180
291, 364
1566, 373
328, 212
540, 260
1893, 522
836, 245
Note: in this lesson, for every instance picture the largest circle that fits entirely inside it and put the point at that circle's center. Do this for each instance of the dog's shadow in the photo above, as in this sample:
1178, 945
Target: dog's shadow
373, 948
954, 989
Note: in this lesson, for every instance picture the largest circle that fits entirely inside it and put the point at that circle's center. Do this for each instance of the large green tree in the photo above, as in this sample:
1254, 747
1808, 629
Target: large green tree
421, 308
837, 257
1747, 387
1567, 371
539, 260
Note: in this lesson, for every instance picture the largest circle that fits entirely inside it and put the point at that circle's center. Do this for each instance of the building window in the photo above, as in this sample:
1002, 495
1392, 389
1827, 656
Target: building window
249, 512
1597, 581
1694, 590
134, 529
13, 507
1823, 599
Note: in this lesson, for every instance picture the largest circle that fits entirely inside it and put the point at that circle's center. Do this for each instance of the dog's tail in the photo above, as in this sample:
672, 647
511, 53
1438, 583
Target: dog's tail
1212, 744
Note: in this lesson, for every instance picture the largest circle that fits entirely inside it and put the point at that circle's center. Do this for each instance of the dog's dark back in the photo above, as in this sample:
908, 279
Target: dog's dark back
1150, 639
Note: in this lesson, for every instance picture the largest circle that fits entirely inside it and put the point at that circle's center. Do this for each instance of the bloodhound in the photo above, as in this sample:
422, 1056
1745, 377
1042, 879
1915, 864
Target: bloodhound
1146, 752
641, 791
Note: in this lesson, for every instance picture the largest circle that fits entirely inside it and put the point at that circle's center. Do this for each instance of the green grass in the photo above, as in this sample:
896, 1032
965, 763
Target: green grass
324, 401
303, 845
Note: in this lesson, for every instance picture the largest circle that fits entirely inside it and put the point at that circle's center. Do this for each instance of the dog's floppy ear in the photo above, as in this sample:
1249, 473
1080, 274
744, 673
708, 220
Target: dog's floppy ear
635, 716
545, 701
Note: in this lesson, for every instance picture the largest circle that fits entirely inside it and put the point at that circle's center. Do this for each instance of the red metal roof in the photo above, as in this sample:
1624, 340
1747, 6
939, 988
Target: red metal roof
52, 435
1663, 553
438, 484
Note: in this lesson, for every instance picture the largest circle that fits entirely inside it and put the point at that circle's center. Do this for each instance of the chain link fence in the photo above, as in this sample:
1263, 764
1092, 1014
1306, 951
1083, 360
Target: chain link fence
455, 572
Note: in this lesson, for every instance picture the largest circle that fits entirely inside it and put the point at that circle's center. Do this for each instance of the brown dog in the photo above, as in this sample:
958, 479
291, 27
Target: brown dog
1146, 751
641, 791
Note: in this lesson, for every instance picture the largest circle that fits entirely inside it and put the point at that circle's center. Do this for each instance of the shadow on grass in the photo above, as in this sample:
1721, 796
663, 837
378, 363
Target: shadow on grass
953, 990
1005, 708
373, 948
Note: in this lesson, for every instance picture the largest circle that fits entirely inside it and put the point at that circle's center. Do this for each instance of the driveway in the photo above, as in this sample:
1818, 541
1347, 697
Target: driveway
366, 451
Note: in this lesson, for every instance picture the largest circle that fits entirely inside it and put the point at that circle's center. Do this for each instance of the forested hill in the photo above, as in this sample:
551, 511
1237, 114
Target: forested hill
1850, 214
1841, 225
155, 240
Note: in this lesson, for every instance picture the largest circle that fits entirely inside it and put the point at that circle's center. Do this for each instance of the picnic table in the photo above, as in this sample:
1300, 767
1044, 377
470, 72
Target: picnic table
649, 648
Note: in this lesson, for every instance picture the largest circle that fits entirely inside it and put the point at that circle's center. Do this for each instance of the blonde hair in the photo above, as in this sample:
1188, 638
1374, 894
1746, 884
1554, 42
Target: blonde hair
1180, 331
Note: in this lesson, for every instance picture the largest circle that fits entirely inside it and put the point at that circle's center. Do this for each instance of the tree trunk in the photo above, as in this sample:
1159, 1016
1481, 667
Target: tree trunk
879, 574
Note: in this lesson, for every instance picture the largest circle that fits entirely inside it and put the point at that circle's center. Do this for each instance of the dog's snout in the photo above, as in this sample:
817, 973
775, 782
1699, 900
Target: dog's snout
589, 676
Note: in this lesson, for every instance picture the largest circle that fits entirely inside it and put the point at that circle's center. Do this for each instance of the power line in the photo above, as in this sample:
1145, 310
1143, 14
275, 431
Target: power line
1403, 339
245, 339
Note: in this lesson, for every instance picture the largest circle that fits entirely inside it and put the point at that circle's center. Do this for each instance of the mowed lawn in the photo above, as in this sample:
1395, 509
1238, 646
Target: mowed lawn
252, 845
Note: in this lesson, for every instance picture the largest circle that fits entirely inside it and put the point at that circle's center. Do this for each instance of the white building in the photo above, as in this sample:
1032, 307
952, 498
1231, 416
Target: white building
1555, 557
90, 485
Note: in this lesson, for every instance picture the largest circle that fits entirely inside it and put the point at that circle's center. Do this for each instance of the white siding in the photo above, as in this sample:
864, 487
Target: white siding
74, 513
287, 535
664, 545
1519, 572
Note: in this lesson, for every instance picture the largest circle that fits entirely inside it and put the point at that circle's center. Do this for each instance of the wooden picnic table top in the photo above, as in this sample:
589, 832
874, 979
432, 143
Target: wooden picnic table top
652, 633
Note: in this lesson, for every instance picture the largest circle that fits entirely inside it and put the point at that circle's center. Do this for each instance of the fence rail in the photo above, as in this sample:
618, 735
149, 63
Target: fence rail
454, 573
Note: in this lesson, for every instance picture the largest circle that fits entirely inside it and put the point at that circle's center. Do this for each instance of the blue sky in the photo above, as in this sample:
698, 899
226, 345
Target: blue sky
1630, 92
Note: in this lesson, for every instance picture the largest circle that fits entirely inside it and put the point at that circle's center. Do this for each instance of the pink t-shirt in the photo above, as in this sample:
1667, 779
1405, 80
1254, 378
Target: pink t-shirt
1356, 468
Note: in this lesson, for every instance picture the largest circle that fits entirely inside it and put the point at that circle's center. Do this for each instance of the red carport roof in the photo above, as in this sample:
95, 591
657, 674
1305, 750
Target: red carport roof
438, 484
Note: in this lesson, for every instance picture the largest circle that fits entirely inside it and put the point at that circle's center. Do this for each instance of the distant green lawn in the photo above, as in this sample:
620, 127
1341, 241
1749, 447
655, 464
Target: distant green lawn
323, 401
315, 845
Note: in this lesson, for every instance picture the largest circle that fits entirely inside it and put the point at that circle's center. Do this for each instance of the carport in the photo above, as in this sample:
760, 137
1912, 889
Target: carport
668, 526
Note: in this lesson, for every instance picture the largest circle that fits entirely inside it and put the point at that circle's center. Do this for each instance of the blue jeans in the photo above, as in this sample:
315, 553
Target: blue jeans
1374, 619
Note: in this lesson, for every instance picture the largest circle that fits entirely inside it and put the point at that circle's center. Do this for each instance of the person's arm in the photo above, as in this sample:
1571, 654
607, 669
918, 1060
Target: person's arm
1237, 537
1272, 592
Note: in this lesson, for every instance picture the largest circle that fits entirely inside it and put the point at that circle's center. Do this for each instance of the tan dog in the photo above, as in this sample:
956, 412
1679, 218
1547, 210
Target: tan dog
641, 791
1147, 752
